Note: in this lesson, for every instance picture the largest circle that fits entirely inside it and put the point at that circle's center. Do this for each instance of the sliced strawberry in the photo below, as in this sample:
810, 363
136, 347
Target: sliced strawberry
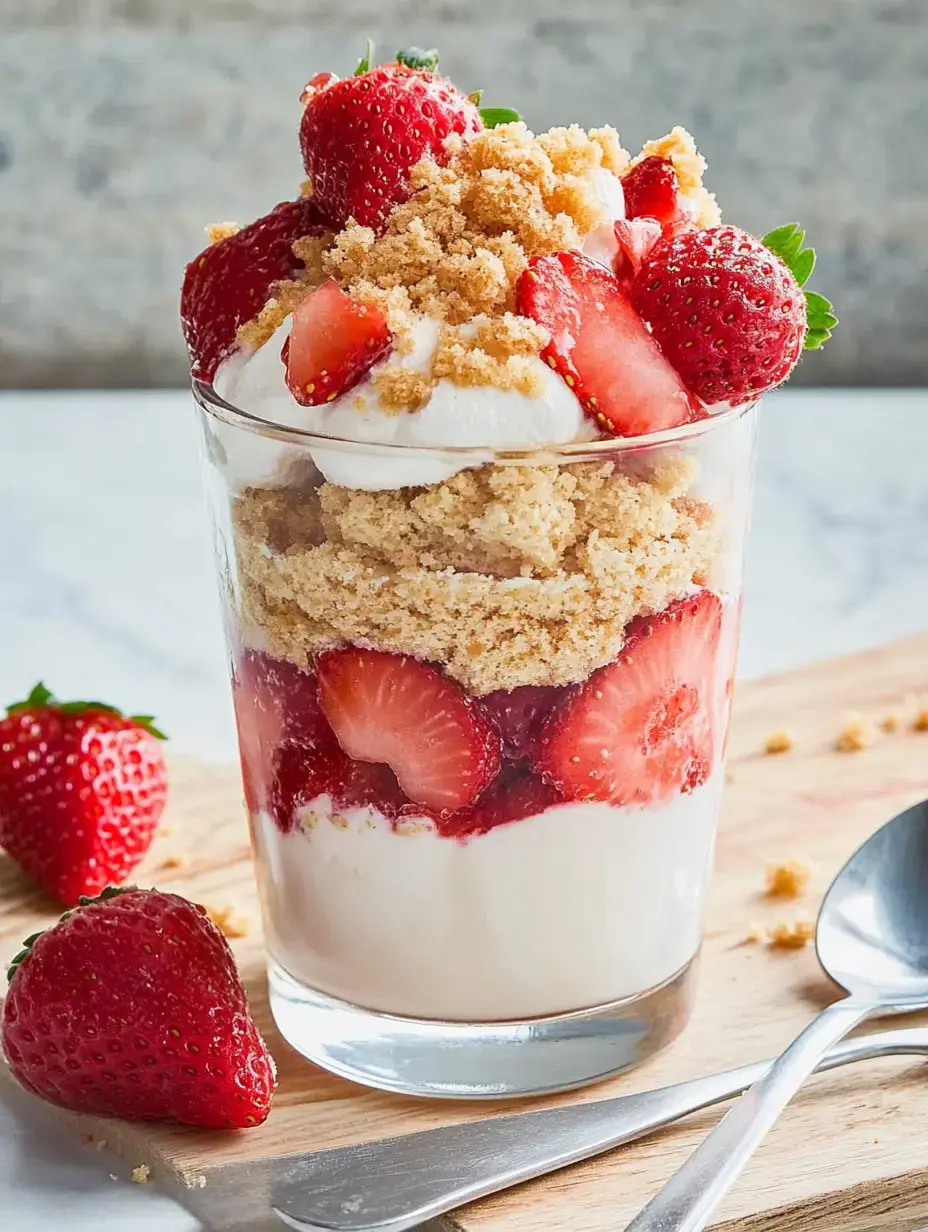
516, 794
518, 715
601, 347
390, 708
651, 191
373, 785
334, 341
289, 753
641, 729
635, 238
230, 282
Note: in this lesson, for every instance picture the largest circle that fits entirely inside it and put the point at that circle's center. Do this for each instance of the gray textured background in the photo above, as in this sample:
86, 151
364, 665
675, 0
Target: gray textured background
126, 125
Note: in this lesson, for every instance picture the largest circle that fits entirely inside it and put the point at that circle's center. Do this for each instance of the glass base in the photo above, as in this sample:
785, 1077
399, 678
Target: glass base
492, 1060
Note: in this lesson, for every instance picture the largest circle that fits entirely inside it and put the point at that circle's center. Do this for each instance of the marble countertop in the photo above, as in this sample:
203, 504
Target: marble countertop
108, 590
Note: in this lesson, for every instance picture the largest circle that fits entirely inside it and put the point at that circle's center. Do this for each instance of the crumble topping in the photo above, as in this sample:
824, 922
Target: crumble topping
791, 934
455, 250
216, 232
787, 879
506, 575
778, 742
855, 736
680, 148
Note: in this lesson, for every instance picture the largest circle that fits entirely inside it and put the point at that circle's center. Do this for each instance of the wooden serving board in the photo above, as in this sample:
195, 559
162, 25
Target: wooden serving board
850, 1154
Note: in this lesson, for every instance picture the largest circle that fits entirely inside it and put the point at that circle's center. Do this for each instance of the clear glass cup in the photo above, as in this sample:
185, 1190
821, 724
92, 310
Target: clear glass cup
545, 935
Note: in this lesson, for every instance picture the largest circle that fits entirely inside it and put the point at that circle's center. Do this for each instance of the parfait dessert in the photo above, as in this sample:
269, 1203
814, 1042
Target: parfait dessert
478, 407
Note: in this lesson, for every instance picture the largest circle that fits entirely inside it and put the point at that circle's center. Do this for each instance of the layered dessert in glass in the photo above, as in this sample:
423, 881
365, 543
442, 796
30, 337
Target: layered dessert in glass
479, 413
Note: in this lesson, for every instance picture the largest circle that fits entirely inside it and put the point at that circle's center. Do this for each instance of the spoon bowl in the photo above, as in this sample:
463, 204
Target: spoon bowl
872, 939
872, 931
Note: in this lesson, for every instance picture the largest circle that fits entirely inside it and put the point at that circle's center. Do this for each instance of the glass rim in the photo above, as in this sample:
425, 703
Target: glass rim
210, 402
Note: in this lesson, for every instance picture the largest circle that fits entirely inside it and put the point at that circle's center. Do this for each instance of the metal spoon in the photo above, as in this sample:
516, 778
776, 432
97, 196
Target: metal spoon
872, 939
397, 1183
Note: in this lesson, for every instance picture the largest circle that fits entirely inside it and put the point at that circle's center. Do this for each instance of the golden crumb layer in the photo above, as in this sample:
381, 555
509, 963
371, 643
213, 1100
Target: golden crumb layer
506, 575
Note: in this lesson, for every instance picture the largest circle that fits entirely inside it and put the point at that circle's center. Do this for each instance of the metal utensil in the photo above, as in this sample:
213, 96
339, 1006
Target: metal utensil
872, 939
397, 1183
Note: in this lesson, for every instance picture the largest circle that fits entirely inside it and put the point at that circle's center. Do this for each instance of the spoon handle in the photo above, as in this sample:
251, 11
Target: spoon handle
694, 1191
398, 1183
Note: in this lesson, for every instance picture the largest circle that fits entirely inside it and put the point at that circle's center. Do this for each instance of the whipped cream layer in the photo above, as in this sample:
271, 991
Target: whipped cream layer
577, 906
482, 418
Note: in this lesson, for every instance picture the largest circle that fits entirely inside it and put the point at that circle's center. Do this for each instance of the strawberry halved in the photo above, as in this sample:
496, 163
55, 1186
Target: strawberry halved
333, 343
641, 729
229, 283
390, 708
651, 191
635, 238
601, 347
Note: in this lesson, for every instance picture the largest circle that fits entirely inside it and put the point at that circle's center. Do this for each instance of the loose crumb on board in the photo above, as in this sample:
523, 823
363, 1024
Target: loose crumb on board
920, 721
229, 922
890, 723
791, 934
172, 861
755, 935
778, 742
788, 878
141, 1174
856, 735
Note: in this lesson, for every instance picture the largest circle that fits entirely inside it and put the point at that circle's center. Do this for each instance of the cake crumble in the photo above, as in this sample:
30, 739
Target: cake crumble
787, 879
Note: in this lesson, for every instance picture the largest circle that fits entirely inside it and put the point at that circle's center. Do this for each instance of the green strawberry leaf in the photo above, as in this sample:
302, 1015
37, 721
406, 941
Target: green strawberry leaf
786, 243
80, 707
494, 116
364, 64
39, 697
147, 723
415, 57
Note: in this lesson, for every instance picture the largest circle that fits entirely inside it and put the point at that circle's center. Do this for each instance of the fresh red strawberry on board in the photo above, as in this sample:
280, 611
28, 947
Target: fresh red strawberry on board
230, 282
394, 709
728, 309
82, 788
641, 729
651, 191
334, 341
131, 1006
601, 347
361, 136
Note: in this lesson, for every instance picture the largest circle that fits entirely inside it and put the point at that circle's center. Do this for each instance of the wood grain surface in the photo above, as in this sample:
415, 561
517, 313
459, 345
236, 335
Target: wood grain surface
850, 1155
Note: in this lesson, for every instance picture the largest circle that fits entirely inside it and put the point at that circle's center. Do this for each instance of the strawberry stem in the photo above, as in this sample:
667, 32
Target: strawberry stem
415, 57
364, 64
494, 116
42, 698
786, 243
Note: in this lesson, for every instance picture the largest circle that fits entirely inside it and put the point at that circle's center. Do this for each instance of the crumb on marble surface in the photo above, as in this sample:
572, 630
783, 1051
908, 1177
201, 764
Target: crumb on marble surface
788, 878
778, 742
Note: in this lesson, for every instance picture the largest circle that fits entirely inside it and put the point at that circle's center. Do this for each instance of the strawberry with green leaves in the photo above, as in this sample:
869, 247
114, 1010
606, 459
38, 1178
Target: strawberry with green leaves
82, 788
131, 1006
361, 136
729, 311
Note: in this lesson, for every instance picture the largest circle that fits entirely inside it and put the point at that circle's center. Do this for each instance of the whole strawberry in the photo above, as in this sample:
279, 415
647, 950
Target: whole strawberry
361, 136
728, 310
81, 790
131, 1006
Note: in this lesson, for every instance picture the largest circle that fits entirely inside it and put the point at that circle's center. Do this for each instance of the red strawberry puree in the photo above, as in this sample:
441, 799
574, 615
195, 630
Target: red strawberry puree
482, 653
